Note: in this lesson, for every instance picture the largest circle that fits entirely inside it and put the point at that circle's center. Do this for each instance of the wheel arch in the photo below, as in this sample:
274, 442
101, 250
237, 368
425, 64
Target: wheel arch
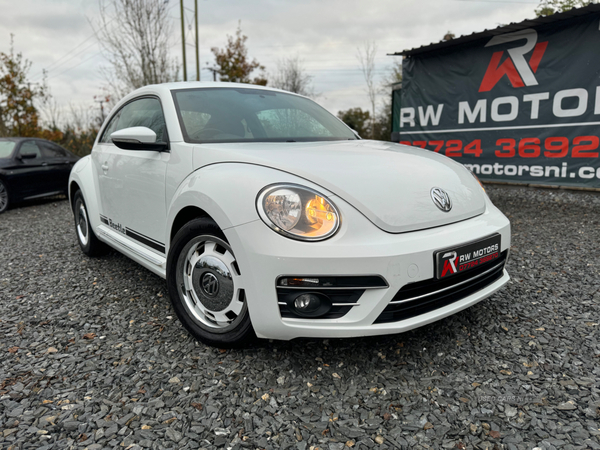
73, 188
4, 179
224, 192
10, 196
82, 178
186, 215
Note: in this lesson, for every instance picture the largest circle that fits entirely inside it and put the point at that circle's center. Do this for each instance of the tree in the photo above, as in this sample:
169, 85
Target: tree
134, 35
79, 132
393, 75
449, 36
291, 76
21, 102
383, 123
18, 113
380, 126
549, 7
366, 57
232, 63
357, 119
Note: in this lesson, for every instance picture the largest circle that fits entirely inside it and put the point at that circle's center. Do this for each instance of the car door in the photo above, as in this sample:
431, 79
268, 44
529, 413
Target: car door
132, 182
59, 165
31, 175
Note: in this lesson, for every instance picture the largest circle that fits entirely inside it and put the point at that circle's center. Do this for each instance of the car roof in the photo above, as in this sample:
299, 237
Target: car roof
18, 139
21, 138
179, 85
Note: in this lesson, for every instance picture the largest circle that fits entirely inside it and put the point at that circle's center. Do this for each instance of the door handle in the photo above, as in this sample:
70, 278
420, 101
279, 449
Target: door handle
44, 164
105, 167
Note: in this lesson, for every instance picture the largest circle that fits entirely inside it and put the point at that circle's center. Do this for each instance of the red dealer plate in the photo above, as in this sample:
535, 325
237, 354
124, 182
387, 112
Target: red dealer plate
453, 261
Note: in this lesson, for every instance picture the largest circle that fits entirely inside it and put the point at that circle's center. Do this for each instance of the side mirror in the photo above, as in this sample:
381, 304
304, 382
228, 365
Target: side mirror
138, 138
27, 156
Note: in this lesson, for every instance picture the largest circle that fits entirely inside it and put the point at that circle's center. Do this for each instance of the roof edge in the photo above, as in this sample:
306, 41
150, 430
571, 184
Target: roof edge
528, 23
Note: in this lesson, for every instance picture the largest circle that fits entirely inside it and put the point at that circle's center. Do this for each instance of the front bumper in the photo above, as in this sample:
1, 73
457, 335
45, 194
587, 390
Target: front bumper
358, 249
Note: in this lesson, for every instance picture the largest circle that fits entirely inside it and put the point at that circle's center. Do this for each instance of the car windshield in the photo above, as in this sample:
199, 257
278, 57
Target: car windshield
6, 148
254, 115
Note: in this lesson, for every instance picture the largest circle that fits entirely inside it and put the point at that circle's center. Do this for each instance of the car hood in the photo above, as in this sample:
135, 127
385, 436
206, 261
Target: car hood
388, 183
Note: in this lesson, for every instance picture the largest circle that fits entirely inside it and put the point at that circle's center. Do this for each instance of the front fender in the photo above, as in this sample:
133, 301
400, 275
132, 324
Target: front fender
82, 174
227, 192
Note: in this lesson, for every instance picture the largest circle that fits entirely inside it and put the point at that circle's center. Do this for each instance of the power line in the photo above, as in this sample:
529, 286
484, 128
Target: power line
69, 59
497, 1
68, 53
75, 48
76, 65
39, 75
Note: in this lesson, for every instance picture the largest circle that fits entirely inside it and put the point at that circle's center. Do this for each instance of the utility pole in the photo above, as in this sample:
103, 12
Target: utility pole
197, 47
183, 40
101, 101
214, 72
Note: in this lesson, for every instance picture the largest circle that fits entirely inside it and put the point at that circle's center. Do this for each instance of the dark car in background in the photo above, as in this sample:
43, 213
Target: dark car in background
32, 168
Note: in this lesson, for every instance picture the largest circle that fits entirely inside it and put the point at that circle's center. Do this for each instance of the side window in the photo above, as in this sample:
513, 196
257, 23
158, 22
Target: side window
52, 151
30, 147
6, 148
111, 127
145, 112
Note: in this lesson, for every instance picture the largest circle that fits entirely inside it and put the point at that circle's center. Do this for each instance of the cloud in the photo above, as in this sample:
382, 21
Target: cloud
324, 34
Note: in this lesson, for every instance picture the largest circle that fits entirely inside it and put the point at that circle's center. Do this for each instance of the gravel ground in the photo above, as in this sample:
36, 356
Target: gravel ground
92, 356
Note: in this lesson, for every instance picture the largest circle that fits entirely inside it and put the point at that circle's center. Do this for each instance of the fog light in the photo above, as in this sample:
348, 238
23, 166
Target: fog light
307, 303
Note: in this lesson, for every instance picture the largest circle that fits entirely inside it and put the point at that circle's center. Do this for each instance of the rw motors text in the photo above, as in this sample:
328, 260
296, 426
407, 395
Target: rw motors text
565, 103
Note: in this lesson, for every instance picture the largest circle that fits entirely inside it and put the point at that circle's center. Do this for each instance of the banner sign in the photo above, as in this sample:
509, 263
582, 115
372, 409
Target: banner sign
518, 107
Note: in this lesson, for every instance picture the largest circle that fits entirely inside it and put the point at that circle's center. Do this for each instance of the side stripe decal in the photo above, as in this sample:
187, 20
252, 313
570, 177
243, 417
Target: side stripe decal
148, 241
145, 240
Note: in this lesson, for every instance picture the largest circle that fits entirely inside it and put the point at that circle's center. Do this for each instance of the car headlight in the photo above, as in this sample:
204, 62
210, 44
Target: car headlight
478, 180
298, 212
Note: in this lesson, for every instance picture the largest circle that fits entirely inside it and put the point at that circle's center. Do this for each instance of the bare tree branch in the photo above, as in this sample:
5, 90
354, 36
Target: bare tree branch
366, 57
134, 35
291, 76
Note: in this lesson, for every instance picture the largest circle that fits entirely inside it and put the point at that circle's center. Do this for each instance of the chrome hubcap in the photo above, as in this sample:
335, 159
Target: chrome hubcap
210, 283
82, 223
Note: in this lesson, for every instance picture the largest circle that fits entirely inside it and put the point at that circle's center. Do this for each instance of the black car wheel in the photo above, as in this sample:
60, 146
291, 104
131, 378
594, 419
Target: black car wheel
206, 286
4, 197
89, 243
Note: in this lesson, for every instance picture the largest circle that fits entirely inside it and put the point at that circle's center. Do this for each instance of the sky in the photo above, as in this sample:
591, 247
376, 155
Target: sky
57, 36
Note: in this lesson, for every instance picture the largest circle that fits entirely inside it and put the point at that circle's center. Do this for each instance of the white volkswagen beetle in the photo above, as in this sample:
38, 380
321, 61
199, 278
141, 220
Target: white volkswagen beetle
268, 216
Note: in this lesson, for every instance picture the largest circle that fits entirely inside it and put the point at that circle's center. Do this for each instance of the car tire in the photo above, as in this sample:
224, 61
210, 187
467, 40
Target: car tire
206, 286
4, 197
89, 243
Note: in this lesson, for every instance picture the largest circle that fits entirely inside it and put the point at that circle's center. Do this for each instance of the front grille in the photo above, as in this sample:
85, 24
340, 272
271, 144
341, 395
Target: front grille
425, 296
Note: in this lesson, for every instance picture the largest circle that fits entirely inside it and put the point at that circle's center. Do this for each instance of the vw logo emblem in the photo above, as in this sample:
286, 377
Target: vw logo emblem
441, 199
210, 284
